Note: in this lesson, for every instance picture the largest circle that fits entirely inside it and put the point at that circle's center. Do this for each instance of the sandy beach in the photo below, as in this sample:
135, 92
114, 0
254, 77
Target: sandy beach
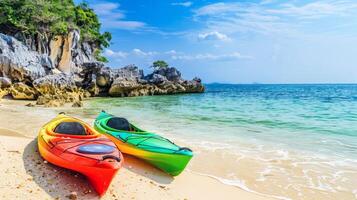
25, 175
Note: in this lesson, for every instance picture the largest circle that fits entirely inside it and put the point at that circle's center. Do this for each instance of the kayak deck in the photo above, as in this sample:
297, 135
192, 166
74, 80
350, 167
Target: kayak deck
150, 147
93, 155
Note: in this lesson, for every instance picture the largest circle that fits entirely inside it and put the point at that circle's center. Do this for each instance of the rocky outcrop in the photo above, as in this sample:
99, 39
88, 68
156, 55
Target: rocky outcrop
20, 64
23, 92
156, 79
66, 53
193, 86
5, 84
162, 81
63, 70
98, 79
56, 90
170, 73
92, 71
61, 52
129, 87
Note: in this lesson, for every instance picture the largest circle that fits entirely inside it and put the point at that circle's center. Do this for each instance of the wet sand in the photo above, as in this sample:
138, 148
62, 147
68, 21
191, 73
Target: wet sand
25, 175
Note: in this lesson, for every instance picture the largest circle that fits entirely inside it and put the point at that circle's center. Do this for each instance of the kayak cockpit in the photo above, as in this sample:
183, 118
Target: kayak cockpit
121, 124
70, 128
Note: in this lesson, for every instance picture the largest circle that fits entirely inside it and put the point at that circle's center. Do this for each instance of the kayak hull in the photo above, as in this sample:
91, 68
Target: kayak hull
99, 171
172, 163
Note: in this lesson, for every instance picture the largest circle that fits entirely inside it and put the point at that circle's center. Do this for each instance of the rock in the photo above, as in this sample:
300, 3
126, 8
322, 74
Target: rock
5, 82
196, 79
17, 62
89, 70
87, 191
30, 105
56, 90
89, 73
98, 79
93, 89
55, 49
83, 53
194, 86
104, 78
124, 87
52, 84
156, 79
170, 73
23, 91
77, 104
129, 72
62, 69
68, 53
73, 196
172, 88
162, 81
64, 52
65, 63
47, 63
3, 92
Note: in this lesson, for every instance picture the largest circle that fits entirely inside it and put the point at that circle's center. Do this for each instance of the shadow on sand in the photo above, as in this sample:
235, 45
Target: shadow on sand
145, 169
57, 182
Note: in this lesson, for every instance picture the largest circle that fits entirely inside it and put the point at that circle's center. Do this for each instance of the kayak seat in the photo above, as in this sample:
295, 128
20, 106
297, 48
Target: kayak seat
119, 123
70, 128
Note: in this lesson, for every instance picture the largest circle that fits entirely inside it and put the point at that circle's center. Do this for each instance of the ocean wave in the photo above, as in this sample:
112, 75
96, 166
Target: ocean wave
240, 184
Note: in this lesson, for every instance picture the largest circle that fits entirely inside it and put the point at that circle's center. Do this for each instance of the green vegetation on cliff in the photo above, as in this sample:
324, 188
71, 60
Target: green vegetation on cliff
39, 18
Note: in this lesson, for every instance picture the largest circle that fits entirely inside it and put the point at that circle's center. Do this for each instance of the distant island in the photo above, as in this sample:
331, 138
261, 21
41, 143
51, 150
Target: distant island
51, 51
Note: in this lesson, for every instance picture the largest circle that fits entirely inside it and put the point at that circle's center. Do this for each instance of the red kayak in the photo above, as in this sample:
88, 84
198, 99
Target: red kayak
70, 143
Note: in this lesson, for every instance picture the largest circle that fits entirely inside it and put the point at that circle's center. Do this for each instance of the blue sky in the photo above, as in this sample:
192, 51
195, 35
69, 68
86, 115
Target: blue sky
266, 41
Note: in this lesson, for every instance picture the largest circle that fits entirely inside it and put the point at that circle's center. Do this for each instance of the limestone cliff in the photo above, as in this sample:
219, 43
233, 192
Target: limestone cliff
66, 52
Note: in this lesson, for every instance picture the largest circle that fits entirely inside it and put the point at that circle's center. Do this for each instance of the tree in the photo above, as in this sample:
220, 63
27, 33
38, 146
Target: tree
50, 18
159, 64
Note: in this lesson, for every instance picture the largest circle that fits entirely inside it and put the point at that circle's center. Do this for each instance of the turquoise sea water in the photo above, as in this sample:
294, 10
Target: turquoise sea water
311, 128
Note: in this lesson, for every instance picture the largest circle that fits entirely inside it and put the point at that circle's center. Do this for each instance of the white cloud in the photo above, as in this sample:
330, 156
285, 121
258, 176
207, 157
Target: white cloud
214, 35
127, 25
287, 19
184, 4
134, 52
139, 52
315, 10
114, 18
115, 54
217, 8
264, 2
171, 52
106, 8
208, 56
173, 55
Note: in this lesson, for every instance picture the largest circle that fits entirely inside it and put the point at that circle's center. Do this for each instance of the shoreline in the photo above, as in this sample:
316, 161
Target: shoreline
29, 176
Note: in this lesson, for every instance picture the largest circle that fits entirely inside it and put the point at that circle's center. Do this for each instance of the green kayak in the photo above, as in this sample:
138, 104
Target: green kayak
150, 147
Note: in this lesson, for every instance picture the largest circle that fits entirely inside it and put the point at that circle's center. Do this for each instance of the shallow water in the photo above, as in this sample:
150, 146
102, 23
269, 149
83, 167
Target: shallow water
288, 141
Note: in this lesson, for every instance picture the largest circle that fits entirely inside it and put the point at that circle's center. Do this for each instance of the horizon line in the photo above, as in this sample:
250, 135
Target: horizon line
331, 83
